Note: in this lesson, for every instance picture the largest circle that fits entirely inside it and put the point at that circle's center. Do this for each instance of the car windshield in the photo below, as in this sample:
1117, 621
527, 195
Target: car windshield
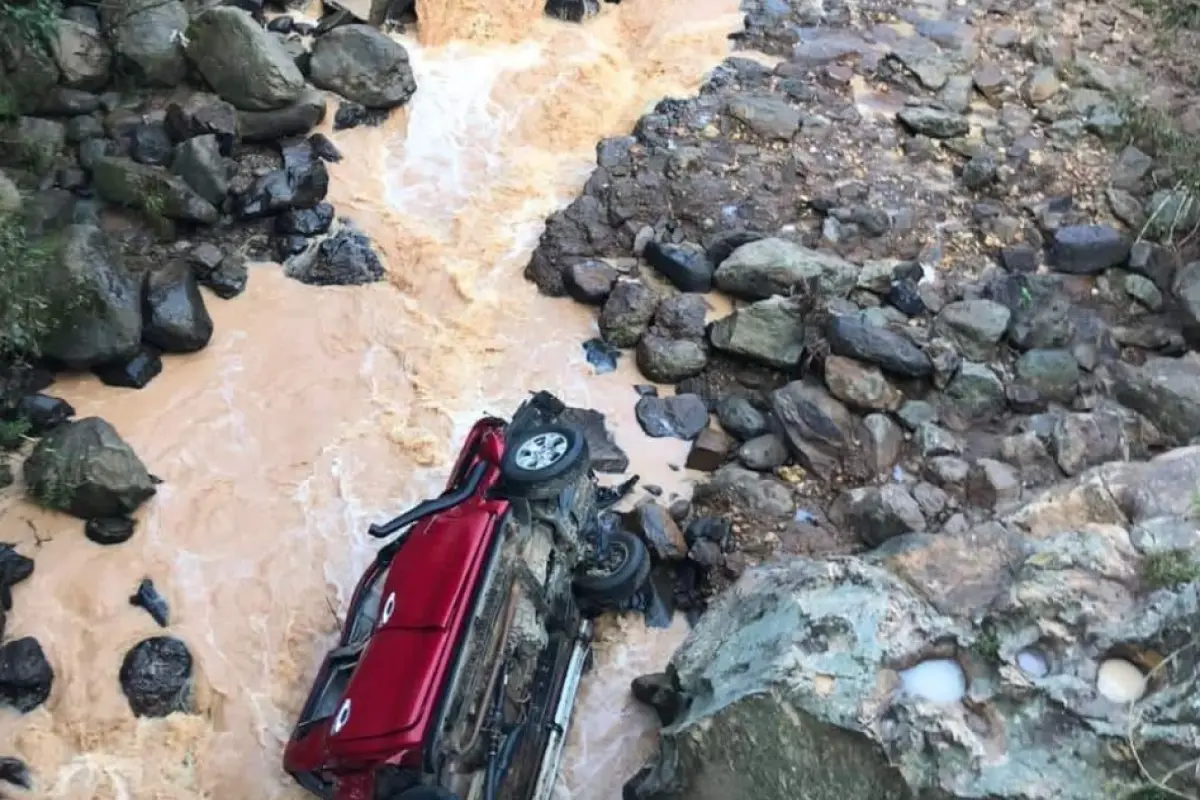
366, 612
332, 691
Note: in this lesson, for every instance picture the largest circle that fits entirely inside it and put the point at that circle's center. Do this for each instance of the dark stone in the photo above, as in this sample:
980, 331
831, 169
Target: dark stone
302, 183
283, 24
686, 267
714, 529
43, 412
156, 677
13, 770
590, 282
109, 530
739, 417
346, 258
906, 297
854, 337
155, 604
605, 454
150, 144
203, 115
25, 674
1020, 258
14, 568
1024, 399
288, 246
1088, 249
305, 221
878, 513
659, 692
572, 10
298, 118
627, 313
819, 429
324, 148
723, 246
352, 115
132, 373
226, 278
174, 317
681, 416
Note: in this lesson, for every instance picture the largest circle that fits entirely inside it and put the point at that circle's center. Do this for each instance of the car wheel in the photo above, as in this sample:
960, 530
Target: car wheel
540, 461
618, 574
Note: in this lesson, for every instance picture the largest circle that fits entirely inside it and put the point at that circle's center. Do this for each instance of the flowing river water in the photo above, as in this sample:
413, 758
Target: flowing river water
315, 411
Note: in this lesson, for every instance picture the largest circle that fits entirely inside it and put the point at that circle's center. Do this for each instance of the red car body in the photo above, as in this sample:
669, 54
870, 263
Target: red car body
394, 683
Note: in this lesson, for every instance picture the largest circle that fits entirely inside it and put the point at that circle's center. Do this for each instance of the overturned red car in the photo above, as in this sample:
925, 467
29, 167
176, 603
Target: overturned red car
457, 668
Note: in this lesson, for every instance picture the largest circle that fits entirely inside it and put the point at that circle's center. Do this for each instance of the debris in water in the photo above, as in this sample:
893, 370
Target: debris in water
109, 530
601, 355
14, 771
645, 390
147, 597
939, 680
608, 496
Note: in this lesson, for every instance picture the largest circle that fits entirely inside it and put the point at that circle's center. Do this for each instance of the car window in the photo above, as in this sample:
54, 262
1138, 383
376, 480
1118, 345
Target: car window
364, 615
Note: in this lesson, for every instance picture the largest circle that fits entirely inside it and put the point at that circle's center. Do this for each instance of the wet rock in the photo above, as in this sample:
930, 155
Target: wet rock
1054, 374
225, 275
739, 417
664, 360
882, 441
345, 258
859, 385
1080, 441
324, 149
854, 337
681, 316
148, 598
572, 10
934, 122
993, 484
14, 771
109, 530
198, 161
745, 489
301, 183
299, 117
590, 282
682, 416
767, 116
769, 331
82, 55
1020, 258
975, 395
25, 675
87, 470
652, 522
1088, 249
134, 372
818, 427
150, 144
14, 568
658, 692
150, 189
107, 327
769, 267
353, 115
688, 268
627, 313
144, 38
156, 677
974, 326
606, 456
175, 318
877, 513
43, 412
242, 61
305, 221
763, 453
709, 450
1164, 390
363, 65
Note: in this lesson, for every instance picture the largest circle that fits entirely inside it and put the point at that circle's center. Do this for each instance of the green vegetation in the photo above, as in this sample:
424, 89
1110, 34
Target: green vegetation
13, 433
987, 646
1170, 568
1173, 15
31, 306
32, 20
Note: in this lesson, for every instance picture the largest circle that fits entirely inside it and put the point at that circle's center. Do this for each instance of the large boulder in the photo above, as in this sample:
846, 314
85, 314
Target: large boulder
961, 666
242, 61
176, 320
86, 469
774, 266
146, 37
150, 189
1164, 390
25, 675
770, 331
363, 65
82, 55
156, 677
29, 72
107, 324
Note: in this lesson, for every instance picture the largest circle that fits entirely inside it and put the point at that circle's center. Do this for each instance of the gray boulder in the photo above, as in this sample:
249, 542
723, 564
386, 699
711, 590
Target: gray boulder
82, 55
85, 469
107, 326
819, 429
242, 61
870, 676
770, 331
150, 189
295, 119
1164, 390
774, 266
146, 36
363, 65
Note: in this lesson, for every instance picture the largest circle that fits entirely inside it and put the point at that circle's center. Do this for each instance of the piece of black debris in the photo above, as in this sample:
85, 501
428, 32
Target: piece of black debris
601, 355
14, 771
147, 597
109, 530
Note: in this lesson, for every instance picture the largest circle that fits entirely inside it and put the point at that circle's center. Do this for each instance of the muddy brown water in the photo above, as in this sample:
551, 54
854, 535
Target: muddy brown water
314, 412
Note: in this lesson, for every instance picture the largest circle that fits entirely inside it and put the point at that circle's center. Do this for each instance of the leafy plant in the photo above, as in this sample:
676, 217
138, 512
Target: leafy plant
34, 21
12, 433
1170, 568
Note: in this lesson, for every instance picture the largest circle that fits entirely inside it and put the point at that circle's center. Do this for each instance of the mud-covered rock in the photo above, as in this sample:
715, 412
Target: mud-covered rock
768, 267
86, 469
344, 258
627, 313
745, 489
175, 318
769, 331
26, 677
156, 677
665, 360
681, 416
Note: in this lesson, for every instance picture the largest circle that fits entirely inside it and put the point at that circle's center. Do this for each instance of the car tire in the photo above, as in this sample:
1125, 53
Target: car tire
539, 462
618, 581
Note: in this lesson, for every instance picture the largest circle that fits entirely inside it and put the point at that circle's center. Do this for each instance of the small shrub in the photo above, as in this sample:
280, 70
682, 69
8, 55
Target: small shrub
1173, 14
12, 433
1170, 568
32, 302
32, 20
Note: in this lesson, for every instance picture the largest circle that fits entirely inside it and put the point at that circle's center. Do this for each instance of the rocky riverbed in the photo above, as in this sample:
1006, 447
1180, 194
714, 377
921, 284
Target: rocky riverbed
962, 301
